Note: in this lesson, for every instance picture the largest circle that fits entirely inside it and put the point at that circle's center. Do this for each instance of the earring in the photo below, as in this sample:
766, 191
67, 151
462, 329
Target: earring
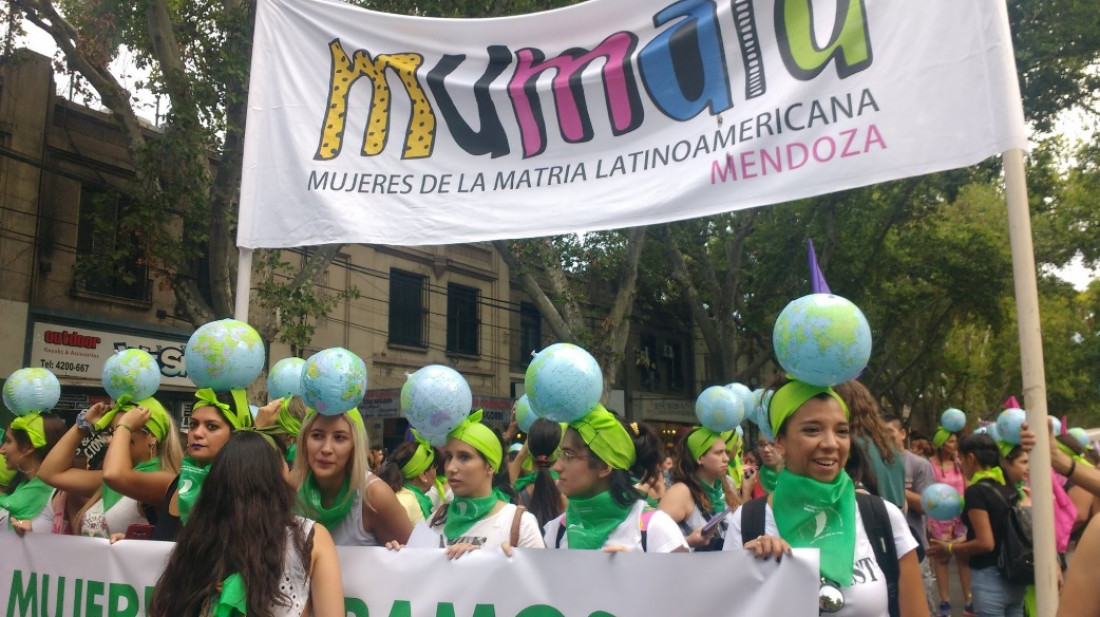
19, 468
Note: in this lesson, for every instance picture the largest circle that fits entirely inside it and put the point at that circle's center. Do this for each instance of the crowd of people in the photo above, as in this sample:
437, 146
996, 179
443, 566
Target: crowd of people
837, 476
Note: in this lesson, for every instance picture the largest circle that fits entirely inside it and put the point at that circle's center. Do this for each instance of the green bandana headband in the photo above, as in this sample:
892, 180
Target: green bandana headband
940, 437
993, 473
813, 514
287, 423
701, 439
32, 425
481, 437
605, 436
238, 418
421, 459
158, 423
793, 395
353, 415
1070, 453
1005, 448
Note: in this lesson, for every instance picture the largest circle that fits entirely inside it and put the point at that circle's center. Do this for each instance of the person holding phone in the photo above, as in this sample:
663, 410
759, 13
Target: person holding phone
700, 491
599, 454
143, 456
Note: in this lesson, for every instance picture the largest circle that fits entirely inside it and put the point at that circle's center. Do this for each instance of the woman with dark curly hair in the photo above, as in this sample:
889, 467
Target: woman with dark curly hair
243, 551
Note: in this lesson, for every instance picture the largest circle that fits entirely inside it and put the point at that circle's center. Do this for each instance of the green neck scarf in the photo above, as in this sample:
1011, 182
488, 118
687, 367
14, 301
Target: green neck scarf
111, 496
233, 599
528, 479
813, 514
192, 475
768, 478
590, 521
291, 454
993, 473
463, 512
27, 500
422, 499
716, 496
330, 517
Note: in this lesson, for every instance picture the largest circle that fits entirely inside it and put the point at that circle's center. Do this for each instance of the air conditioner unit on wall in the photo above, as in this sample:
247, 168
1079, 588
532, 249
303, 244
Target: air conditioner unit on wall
669, 352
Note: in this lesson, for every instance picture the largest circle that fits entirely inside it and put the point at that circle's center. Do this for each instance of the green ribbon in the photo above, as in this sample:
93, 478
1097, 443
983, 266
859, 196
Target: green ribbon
158, 423
31, 424
26, 501
233, 599
463, 512
353, 415
1070, 453
286, 421
793, 395
238, 418
701, 438
813, 514
471, 431
122, 403
421, 459
993, 473
716, 496
940, 437
768, 478
1005, 448
192, 475
528, 479
605, 436
736, 465
589, 521
330, 517
111, 496
422, 499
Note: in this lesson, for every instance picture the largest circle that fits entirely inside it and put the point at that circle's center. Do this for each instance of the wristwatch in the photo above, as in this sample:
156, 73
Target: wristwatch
82, 423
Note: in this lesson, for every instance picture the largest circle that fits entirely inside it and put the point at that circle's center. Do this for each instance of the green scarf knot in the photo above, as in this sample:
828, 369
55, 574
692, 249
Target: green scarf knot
590, 521
463, 512
421, 459
604, 435
237, 418
471, 431
31, 424
813, 514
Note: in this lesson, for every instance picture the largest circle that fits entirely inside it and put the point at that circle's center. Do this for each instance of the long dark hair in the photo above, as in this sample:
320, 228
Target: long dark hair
53, 427
686, 471
542, 440
983, 448
239, 524
390, 471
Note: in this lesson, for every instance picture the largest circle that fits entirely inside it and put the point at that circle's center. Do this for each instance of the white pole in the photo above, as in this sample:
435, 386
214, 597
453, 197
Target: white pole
244, 285
1034, 380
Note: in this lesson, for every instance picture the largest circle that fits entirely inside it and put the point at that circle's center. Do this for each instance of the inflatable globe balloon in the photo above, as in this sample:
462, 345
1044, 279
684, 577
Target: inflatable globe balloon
954, 420
1008, 425
748, 399
31, 389
981, 430
1080, 435
941, 502
525, 416
564, 382
822, 339
436, 399
995, 433
133, 373
285, 378
334, 380
224, 355
719, 409
763, 417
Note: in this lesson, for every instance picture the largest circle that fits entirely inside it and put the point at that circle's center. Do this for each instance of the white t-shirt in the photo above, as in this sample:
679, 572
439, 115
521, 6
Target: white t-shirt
496, 529
662, 535
867, 597
41, 523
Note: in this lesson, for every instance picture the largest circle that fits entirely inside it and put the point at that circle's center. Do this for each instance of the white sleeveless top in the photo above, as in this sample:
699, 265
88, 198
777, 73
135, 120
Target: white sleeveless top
99, 524
350, 531
295, 579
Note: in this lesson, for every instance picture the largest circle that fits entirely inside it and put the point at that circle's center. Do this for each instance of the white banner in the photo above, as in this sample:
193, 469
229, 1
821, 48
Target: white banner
372, 127
57, 576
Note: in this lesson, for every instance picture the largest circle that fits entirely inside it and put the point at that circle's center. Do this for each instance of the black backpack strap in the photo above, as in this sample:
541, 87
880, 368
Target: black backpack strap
561, 532
876, 522
752, 519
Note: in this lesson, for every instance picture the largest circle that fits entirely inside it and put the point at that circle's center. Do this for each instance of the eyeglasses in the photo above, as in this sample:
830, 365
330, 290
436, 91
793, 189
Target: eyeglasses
765, 446
568, 456
830, 599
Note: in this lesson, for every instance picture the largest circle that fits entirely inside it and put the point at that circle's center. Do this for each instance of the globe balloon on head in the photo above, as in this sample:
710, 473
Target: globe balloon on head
954, 420
31, 389
564, 382
285, 378
719, 409
941, 502
131, 372
224, 355
1081, 436
334, 380
1009, 424
435, 400
525, 416
822, 339
746, 396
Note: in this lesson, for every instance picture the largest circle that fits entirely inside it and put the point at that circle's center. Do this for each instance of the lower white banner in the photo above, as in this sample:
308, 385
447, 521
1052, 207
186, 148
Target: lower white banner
55, 576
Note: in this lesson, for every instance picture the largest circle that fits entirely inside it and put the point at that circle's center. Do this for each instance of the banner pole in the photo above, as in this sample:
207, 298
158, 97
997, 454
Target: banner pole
244, 284
1034, 381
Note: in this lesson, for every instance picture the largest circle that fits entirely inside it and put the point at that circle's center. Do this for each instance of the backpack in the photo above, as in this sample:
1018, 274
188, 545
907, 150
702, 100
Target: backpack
643, 526
1015, 554
876, 523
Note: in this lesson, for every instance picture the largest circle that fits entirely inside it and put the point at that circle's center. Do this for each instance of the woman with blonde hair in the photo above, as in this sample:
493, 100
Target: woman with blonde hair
143, 457
336, 487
